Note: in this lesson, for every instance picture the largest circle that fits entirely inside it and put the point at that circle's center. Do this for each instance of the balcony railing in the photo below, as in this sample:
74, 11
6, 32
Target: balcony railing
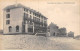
35, 21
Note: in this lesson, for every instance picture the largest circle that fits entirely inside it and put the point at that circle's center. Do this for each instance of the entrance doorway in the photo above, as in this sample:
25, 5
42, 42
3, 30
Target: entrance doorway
54, 34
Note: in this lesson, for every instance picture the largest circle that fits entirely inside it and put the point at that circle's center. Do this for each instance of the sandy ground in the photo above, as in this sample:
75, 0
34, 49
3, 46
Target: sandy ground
32, 42
0, 41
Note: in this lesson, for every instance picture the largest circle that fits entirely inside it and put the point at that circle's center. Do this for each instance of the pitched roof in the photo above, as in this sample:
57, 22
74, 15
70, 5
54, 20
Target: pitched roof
52, 25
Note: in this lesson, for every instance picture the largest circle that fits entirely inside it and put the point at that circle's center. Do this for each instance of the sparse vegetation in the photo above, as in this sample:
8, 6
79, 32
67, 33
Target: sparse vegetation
77, 37
38, 42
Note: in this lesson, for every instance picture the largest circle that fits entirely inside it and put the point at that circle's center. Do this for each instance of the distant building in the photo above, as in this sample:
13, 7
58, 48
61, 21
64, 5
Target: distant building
53, 30
21, 19
63, 32
71, 34
77, 37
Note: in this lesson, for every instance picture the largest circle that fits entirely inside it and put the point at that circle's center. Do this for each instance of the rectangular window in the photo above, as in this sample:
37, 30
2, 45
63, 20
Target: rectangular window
30, 17
30, 29
24, 9
8, 10
25, 15
39, 16
7, 21
8, 16
35, 14
30, 12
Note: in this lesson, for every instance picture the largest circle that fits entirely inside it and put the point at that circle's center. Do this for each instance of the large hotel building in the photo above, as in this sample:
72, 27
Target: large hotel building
21, 19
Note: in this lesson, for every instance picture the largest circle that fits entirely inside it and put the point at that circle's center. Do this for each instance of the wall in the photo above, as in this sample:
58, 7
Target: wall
16, 17
53, 29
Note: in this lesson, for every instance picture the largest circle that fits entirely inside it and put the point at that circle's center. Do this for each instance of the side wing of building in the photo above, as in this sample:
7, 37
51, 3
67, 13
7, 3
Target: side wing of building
12, 20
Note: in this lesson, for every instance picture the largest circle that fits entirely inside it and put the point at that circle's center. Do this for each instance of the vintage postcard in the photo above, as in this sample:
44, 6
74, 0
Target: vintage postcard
39, 24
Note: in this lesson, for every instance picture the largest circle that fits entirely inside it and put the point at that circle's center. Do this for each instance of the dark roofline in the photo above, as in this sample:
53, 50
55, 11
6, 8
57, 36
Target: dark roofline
14, 6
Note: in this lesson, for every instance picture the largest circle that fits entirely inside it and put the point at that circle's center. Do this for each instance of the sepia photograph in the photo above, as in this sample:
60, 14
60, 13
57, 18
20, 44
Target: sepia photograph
39, 24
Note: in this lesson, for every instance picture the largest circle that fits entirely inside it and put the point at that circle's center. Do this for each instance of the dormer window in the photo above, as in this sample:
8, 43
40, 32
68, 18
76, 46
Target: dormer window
25, 9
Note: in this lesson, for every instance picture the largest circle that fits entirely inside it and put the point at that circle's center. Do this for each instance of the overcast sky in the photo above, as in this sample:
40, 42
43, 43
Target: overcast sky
64, 13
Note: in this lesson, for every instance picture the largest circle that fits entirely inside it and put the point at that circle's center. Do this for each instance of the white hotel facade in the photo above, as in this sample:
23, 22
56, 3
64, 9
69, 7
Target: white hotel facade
20, 19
